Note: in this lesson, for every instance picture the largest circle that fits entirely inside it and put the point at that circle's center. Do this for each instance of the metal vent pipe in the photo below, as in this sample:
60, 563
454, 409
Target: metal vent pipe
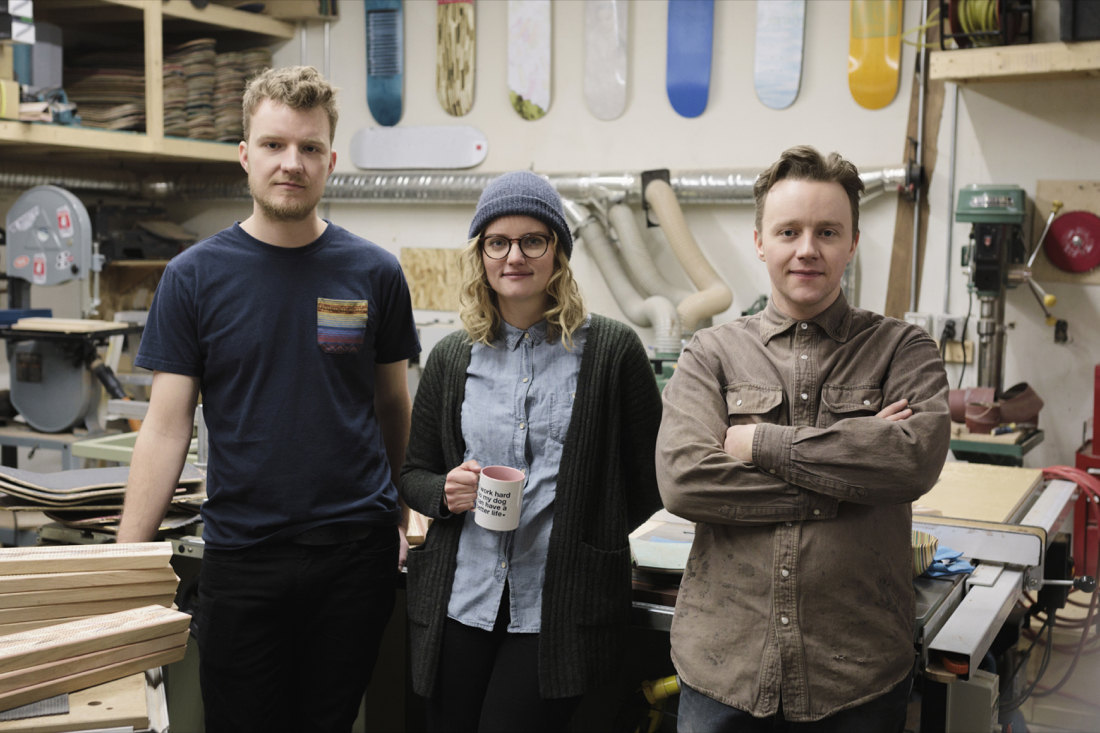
426, 187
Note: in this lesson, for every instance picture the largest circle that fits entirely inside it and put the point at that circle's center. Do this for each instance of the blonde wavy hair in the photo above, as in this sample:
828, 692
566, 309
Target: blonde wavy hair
480, 311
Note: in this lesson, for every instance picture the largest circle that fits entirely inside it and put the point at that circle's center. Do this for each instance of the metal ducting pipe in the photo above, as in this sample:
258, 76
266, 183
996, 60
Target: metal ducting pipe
656, 311
421, 187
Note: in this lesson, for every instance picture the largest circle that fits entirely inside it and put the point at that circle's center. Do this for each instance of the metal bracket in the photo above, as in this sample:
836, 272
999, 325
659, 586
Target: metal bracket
660, 174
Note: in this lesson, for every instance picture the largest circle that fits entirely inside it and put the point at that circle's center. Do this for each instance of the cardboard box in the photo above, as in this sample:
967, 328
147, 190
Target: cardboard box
9, 99
16, 29
7, 63
301, 9
18, 8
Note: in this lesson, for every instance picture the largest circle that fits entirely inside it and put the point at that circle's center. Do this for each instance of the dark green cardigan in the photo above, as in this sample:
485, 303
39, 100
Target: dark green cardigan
606, 487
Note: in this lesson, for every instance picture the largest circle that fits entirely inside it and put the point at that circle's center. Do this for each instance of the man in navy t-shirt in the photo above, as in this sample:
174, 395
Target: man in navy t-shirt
297, 334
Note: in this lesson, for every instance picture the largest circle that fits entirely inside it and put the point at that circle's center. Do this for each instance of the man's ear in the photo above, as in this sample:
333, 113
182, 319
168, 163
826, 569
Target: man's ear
242, 155
758, 244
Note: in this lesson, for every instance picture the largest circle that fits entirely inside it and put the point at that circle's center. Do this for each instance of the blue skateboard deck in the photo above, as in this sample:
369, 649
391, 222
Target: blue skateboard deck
385, 59
777, 68
690, 40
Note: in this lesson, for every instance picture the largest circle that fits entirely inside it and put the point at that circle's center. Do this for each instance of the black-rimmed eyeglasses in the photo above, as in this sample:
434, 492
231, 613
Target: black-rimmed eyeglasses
497, 246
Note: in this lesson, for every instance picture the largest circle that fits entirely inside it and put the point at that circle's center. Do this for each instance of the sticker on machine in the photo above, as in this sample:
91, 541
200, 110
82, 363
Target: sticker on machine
38, 275
20, 262
64, 260
65, 222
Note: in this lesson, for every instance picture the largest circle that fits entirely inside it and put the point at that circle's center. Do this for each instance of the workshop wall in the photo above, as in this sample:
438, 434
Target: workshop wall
1011, 133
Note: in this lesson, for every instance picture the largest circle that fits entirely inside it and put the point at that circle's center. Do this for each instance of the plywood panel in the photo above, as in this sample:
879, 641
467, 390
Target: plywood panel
978, 491
434, 276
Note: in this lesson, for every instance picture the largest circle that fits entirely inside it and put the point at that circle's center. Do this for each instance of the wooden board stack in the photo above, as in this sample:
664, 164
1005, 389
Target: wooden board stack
71, 656
51, 584
73, 616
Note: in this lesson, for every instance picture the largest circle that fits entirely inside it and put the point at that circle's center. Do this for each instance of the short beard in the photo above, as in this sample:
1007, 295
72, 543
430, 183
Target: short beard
288, 213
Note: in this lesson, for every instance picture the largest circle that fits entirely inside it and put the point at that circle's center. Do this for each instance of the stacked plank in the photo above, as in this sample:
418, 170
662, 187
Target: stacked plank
40, 586
72, 616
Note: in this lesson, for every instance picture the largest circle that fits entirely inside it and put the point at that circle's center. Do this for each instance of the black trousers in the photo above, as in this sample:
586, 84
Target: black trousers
488, 682
288, 634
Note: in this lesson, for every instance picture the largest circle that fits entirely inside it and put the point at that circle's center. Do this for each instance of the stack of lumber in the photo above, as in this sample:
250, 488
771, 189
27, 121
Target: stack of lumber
91, 498
66, 657
52, 584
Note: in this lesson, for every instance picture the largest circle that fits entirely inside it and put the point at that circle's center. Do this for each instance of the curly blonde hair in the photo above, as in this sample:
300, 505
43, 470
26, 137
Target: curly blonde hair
480, 311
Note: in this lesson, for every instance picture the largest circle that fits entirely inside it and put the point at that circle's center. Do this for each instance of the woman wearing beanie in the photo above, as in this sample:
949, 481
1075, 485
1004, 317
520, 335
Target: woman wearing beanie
509, 629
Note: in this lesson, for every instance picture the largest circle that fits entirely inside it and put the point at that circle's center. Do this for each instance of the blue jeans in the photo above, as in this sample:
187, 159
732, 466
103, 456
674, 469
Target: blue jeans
288, 634
885, 714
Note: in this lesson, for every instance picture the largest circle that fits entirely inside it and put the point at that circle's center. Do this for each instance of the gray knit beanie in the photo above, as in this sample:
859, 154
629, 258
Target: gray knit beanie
525, 194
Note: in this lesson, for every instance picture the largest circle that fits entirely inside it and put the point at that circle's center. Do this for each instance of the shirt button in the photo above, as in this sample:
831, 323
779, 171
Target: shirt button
817, 512
803, 357
804, 396
788, 524
785, 573
867, 402
523, 426
804, 326
526, 335
784, 620
739, 402
525, 380
504, 564
771, 470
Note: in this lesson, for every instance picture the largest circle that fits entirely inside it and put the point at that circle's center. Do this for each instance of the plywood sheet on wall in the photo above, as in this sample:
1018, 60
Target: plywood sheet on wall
1075, 196
434, 277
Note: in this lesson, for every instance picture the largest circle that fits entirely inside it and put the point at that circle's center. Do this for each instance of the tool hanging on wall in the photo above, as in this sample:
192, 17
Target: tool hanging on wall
1072, 242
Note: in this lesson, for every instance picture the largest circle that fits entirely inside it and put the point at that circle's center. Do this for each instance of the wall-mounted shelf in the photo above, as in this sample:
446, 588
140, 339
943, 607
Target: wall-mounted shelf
152, 20
1016, 63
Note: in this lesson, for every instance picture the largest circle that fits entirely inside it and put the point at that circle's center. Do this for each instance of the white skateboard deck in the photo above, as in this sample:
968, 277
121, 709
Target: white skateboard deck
777, 69
418, 146
529, 57
605, 69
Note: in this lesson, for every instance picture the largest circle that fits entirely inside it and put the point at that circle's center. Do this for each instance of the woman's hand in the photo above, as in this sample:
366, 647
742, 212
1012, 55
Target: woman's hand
460, 489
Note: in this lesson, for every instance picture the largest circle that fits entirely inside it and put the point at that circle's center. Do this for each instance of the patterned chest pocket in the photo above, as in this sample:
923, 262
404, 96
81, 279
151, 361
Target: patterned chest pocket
341, 325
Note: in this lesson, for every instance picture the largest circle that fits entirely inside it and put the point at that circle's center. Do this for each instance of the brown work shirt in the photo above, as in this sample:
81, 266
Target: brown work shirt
799, 585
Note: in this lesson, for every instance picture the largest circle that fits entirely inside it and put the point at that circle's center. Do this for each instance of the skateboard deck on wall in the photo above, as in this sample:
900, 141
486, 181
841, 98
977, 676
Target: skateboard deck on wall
418, 146
690, 40
777, 68
454, 60
874, 51
385, 59
605, 38
529, 24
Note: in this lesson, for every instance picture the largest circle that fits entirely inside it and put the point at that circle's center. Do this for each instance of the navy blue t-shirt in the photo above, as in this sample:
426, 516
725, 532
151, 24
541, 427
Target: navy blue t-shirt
284, 343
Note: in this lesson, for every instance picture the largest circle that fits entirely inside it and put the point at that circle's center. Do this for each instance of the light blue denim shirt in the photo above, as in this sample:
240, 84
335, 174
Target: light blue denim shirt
519, 399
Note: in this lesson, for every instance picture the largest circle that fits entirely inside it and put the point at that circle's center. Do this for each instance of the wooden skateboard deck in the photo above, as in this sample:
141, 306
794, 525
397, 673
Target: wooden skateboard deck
777, 67
690, 40
418, 146
874, 51
83, 479
385, 59
529, 27
605, 69
454, 60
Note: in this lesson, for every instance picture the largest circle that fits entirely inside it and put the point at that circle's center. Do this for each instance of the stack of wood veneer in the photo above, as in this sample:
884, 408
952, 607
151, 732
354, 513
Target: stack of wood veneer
73, 616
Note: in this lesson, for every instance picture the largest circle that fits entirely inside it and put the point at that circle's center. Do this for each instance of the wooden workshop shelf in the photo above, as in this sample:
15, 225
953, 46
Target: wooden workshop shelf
150, 21
1032, 61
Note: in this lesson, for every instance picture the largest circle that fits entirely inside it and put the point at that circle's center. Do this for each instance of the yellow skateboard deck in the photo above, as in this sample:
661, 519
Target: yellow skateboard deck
874, 51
